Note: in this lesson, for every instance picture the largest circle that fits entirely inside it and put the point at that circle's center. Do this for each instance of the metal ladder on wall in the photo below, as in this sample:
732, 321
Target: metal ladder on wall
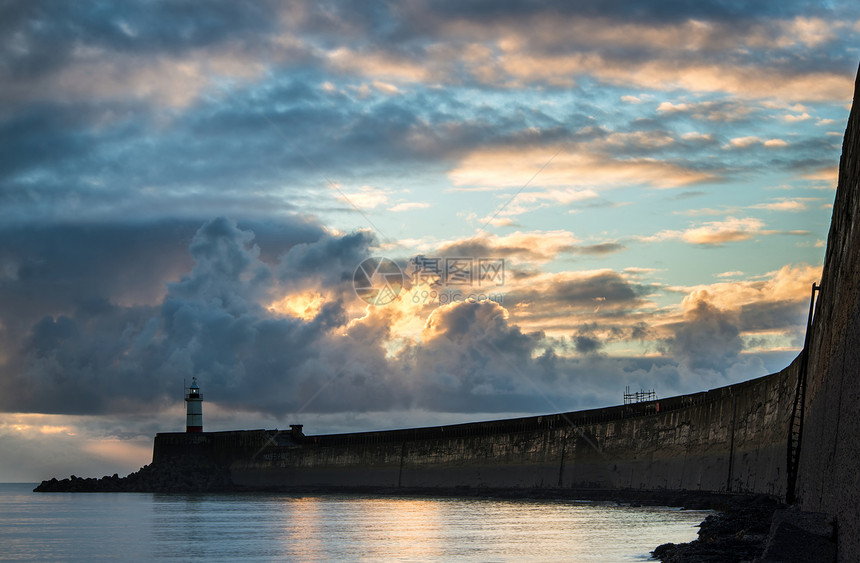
795, 430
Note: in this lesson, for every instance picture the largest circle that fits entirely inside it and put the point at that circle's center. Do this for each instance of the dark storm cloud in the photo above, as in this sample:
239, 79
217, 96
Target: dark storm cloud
519, 250
768, 316
605, 290
609, 287
51, 269
41, 35
100, 356
103, 357
587, 344
79, 304
472, 358
590, 338
523, 249
654, 10
328, 261
41, 134
707, 340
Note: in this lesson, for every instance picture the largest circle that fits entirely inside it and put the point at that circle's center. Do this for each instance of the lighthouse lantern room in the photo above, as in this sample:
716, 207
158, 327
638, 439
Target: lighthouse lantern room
194, 408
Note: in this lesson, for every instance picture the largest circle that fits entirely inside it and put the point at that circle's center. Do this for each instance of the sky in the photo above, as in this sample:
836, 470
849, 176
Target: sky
360, 216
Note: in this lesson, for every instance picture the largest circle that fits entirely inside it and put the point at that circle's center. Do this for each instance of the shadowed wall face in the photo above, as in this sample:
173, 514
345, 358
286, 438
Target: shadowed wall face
731, 439
828, 479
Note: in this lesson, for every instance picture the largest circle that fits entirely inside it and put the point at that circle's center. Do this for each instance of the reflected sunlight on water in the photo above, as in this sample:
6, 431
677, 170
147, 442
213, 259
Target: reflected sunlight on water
276, 527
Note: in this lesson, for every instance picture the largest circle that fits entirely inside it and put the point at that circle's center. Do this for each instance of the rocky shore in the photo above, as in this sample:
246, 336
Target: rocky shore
179, 476
756, 530
193, 475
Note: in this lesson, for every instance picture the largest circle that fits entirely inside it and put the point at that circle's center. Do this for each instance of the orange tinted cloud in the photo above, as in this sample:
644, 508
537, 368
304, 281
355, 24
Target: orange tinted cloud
378, 64
571, 167
713, 232
791, 283
546, 54
786, 204
745, 142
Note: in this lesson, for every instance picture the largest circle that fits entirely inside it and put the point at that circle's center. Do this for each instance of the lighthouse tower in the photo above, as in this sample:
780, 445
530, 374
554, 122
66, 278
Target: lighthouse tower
194, 410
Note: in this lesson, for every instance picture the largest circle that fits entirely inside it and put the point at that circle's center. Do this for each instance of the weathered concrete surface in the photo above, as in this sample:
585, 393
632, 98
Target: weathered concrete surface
731, 439
828, 477
800, 536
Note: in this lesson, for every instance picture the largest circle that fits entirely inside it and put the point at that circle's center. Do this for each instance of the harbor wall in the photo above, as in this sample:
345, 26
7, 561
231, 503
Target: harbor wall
828, 478
731, 439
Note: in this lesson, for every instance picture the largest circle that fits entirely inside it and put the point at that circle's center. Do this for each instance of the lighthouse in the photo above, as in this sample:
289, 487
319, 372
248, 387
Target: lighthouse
194, 409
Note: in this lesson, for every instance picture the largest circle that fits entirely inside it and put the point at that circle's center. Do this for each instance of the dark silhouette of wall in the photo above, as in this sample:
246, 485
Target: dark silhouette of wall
828, 477
731, 439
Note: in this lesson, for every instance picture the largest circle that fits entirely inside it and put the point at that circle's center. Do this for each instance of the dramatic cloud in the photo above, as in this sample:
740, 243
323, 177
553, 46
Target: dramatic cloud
707, 339
787, 204
775, 304
106, 358
566, 166
188, 191
716, 233
532, 247
212, 323
96, 355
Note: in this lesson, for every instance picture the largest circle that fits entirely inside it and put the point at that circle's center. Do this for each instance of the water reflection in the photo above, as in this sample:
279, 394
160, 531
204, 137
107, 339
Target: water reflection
277, 527
397, 529
303, 529
409, 529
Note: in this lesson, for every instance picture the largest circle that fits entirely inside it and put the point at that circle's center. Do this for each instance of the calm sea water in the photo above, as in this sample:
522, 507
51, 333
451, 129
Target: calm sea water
279, 527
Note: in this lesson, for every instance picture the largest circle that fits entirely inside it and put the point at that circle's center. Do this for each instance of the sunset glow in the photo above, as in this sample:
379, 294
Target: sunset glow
568, 198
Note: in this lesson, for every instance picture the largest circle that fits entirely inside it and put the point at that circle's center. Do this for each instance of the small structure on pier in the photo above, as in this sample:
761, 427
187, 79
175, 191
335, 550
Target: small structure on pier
640, 396
194, 408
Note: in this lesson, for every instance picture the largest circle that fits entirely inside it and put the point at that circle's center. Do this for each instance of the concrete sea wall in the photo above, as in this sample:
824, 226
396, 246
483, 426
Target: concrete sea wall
731, 439
828, 475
